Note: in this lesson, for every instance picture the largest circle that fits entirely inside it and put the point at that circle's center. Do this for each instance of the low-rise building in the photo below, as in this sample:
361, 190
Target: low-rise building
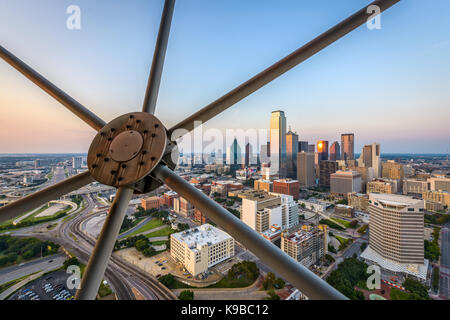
382, 186
287, 186
265, 185
307, 245
442, 197
415, 187
344, 182
344, 210
261, 209
314, 205
200, 217
358, 201
440, 183
151, 203
201, 248
273, 234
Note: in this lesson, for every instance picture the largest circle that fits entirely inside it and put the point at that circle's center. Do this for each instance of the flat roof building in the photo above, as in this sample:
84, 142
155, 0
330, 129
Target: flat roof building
201, 248
344, 182
261, 210
287, 186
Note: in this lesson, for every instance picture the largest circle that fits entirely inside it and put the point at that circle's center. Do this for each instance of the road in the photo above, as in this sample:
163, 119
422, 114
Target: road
43, 264
122, 276
136, 227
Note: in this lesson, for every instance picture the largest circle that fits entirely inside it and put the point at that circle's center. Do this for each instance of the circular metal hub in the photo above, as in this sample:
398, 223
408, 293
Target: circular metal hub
127, 149
126, 146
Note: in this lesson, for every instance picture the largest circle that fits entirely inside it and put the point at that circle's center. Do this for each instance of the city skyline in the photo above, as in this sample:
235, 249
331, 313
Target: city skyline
404, 120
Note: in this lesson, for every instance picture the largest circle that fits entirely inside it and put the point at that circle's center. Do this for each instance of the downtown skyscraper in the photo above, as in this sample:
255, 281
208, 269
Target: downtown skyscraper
335, 151
291, 154
322, 150
371, 158
233, 157
347, 146
278, 144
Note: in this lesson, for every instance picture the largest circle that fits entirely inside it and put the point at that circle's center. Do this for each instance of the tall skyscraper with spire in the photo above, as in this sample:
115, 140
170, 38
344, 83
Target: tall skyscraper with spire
278, 144
347, 146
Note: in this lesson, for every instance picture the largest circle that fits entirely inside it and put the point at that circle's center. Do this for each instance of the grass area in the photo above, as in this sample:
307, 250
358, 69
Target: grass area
241, 275
331, 224
158, 243
363, 229
343, 222
104, 290
397, 294
232, 283
9, 223
58, 214
152, 224
170, 282
32, 220
344, 242
160, 233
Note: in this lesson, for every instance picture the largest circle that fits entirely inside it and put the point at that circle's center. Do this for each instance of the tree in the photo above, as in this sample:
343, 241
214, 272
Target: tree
271, 295
417, 288
70, 262
182, 226
186, 295
142, 244
347, 275
148, 252
126, 224
435, 282
168, 280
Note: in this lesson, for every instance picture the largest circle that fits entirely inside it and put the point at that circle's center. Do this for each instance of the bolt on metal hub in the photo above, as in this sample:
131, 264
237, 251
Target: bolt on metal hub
127, 149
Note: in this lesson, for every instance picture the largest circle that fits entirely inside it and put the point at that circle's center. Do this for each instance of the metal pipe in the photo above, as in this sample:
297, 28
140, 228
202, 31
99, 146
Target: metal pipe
277, 260
154, 80
277, 69
98, 261
43, 196
67, 101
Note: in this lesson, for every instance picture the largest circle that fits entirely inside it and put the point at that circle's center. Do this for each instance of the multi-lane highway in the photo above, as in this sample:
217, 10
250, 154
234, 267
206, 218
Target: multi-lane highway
43, 264
123, 277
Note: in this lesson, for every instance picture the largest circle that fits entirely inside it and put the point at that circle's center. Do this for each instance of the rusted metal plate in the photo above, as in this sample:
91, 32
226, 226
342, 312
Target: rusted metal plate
127, 149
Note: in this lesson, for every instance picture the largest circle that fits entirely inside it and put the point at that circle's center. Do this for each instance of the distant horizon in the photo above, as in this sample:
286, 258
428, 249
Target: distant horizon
387, 85
85, 154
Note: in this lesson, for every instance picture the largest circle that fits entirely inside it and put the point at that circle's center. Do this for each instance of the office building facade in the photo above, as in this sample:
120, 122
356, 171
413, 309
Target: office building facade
278, 144
347, 146
306, 175
200, 248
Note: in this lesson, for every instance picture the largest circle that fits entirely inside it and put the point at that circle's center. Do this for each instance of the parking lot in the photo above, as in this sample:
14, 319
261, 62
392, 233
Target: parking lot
49, 287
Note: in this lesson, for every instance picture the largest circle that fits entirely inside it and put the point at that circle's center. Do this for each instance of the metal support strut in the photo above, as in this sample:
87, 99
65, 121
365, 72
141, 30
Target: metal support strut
96, 267
298, 275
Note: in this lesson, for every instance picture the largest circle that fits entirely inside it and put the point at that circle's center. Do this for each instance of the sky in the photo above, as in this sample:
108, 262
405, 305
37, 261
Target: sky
389, 86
